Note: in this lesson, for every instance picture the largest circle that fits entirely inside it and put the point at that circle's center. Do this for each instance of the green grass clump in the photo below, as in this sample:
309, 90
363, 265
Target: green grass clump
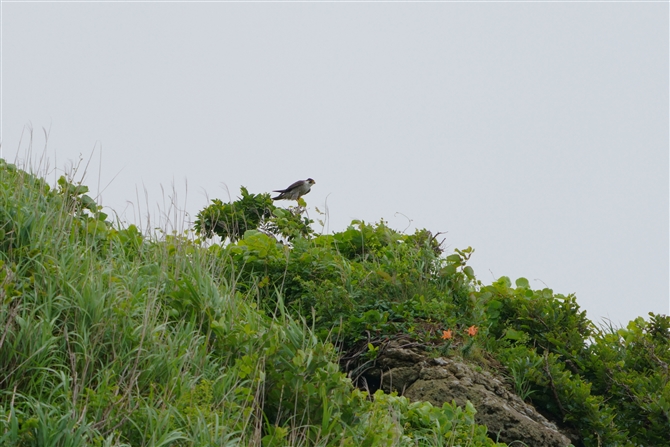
112, 338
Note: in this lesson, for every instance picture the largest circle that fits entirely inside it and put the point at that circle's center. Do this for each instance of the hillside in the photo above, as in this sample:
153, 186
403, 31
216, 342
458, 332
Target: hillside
280, 336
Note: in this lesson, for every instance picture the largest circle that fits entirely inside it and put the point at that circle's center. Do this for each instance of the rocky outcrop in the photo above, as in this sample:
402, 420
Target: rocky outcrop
439, 380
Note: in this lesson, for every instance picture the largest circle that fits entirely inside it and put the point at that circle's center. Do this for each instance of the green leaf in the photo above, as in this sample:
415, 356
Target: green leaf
522, 283
469, 272
512, 334
449, 270
454, 259
89, 203
79, 190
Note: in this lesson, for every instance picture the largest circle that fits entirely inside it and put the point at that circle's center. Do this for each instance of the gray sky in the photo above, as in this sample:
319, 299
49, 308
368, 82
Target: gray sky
535, 132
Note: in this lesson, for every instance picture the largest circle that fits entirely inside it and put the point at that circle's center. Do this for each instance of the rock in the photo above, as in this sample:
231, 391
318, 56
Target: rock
440, 380
399, 378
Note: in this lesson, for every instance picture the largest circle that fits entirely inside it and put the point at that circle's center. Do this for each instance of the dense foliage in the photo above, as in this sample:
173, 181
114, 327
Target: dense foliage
370, 283
110, 337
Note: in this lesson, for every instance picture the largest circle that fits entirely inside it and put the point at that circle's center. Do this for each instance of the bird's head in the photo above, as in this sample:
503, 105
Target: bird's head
310, 181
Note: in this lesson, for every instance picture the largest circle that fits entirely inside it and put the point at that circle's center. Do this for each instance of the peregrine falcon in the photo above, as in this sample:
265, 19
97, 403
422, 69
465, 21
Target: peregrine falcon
295, 191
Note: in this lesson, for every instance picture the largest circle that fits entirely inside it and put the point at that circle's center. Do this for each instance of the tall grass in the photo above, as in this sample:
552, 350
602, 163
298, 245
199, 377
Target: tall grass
90, 350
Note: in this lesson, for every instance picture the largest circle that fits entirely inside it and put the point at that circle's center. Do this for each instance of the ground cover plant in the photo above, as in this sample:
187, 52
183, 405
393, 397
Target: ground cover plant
110, 336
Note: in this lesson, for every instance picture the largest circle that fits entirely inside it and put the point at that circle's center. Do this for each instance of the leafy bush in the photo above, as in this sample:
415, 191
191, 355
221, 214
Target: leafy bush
611, 384
368, 278
251, 212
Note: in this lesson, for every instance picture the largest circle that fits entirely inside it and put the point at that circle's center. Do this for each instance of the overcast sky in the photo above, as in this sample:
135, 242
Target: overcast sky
535, 132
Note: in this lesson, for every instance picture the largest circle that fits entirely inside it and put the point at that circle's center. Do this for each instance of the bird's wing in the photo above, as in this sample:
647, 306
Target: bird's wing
293, 185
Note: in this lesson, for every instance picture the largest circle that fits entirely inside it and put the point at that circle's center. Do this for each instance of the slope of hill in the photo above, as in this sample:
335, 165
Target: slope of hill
110, 337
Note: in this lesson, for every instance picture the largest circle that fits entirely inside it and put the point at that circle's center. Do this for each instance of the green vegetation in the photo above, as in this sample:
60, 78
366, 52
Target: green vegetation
110, 337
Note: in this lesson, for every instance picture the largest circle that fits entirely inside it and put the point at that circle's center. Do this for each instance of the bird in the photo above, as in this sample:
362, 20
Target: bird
295, 191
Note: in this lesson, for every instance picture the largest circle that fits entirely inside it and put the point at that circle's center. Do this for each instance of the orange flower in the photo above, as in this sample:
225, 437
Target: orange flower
472, 330
446, 335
